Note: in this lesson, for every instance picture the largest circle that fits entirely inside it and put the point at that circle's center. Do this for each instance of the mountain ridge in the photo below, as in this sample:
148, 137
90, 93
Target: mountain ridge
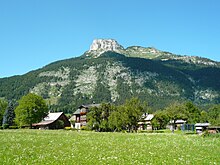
103, 45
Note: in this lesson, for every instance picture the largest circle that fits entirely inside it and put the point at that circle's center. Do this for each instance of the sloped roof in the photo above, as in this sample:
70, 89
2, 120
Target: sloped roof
50, 118
149, 117
43, 123
85, 106
202, 124
77, 112
53, 116
90, 105
179, 121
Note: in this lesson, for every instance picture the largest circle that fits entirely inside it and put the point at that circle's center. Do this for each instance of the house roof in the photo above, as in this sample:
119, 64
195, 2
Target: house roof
214, 126
85, 106
149, 117
89, 105
43, 123
202, 124
50, 118
53, 116
77, 112
179, 121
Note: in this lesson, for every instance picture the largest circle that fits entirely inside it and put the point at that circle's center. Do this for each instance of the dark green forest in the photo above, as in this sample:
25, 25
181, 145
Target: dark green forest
171, 81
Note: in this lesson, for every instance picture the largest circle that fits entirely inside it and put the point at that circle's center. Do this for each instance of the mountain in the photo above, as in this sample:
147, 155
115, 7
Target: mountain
108, 72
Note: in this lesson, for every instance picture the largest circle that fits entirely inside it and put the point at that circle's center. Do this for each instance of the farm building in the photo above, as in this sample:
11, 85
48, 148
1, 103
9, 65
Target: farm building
145, 122
200, 127
214, 129
178, 124
53, 121
79, 116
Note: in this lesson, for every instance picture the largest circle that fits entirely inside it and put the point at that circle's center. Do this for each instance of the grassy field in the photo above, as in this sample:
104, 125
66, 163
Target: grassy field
71, 147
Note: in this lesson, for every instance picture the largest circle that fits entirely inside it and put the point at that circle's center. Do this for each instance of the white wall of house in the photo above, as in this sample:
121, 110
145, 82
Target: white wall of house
77, 125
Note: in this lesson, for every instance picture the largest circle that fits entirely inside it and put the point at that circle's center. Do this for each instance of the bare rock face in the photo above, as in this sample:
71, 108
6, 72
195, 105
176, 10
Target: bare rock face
105, 44
100, 46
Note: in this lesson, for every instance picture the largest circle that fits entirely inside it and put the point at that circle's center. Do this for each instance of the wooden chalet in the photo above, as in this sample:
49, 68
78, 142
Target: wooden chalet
79, 116
56, 120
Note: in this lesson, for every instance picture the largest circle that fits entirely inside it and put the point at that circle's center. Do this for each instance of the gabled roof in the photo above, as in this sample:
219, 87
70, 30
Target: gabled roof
149, 117
202, 124
53, 116
77, 112
50, 118
89, 105
179, 121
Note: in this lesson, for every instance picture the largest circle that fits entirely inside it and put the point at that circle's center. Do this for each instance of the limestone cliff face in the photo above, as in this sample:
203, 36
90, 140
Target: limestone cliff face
100, 46
105, 44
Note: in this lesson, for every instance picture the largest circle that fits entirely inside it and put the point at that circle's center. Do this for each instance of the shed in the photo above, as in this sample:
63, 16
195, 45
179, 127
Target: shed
178, 124
200, 127
214, 129
56, 120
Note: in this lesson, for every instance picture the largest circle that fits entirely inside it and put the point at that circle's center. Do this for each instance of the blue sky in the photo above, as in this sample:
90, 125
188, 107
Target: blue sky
34, 33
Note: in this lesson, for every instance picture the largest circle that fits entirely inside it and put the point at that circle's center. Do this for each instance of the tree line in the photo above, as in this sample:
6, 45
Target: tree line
32, 108
109, 117
125, 117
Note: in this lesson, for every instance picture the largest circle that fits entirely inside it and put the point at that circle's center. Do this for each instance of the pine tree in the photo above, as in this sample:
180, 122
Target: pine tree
9, 115
3, 106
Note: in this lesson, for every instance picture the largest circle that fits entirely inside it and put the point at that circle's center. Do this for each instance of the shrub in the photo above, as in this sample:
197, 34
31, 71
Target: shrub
1, 127
5, 126
145, 131
151, 131
85, 128
69, 128
13, 127
207, 134
25, 127
190, 133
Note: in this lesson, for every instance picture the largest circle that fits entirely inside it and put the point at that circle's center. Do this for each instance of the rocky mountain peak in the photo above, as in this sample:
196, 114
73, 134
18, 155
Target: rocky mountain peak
105, 44
100, 46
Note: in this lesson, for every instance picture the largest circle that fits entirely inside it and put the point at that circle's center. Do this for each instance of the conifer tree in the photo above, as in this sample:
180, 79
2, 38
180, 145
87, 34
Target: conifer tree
9, 115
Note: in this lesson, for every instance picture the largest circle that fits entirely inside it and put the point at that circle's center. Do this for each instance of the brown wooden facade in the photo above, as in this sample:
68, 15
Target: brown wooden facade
79, 116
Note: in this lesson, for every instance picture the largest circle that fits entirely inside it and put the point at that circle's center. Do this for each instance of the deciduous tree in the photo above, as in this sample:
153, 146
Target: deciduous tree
160, 120
214, 115
31, 109
176, 111
192, 112
133, 109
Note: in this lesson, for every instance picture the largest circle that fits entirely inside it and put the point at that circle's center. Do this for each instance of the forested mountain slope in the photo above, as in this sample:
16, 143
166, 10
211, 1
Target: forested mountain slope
110, 73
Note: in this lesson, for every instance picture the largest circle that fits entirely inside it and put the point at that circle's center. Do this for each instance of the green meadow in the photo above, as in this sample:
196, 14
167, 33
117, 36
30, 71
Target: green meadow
77, 148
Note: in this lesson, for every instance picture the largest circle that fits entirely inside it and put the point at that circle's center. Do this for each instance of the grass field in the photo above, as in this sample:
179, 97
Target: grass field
71, 147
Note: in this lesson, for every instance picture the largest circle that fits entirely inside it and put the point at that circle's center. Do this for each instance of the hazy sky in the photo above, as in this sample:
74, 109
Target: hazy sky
34, 33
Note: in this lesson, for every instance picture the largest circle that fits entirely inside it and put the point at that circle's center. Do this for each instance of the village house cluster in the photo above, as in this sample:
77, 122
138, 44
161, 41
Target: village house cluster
59, 120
